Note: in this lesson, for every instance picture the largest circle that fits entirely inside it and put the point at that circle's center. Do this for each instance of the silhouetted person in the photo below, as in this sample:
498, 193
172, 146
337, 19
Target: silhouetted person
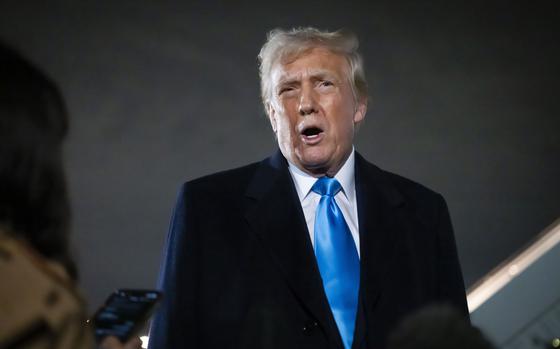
40, 306
437, 327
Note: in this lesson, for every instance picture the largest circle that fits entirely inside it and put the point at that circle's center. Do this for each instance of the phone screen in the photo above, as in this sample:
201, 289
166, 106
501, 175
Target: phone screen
124, 313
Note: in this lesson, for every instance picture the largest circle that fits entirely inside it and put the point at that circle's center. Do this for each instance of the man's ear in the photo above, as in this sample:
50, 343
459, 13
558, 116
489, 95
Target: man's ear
271, 116
360, 113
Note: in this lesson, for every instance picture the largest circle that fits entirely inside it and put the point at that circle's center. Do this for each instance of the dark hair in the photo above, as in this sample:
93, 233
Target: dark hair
34, 203
437, 327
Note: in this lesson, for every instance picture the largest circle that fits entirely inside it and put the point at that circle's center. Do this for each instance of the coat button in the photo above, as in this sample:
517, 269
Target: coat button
310, 327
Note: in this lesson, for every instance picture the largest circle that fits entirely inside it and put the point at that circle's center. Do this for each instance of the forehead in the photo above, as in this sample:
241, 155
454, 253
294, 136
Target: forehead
316, 61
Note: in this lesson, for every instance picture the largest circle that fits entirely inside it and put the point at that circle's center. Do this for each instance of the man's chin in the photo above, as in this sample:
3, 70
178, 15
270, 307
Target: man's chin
319, 162
316, 167
316, 162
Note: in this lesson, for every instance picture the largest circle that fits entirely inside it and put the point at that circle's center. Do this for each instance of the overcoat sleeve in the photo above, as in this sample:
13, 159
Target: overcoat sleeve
174, 325
451, 287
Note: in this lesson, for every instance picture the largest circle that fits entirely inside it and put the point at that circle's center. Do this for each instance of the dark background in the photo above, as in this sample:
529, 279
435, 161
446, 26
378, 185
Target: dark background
464, 99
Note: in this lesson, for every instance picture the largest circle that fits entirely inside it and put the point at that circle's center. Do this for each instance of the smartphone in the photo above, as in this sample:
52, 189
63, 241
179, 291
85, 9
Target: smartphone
124, 313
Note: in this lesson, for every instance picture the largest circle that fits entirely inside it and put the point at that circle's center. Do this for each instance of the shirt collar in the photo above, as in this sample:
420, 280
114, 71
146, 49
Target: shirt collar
345, 177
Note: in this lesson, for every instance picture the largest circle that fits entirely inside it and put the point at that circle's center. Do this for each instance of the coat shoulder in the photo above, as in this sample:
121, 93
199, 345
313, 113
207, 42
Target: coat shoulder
427, 205
395, 185
222, 183
411, 188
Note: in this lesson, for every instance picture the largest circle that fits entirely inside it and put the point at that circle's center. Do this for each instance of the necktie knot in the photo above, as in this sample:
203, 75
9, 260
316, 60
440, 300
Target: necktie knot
326, 186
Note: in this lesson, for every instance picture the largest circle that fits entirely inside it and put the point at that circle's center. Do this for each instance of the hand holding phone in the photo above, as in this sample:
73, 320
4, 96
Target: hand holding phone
124, 313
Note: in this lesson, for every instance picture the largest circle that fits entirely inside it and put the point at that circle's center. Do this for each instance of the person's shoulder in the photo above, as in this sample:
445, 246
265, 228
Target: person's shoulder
406, 187
423, 205
410, 187
52, 298
219, 183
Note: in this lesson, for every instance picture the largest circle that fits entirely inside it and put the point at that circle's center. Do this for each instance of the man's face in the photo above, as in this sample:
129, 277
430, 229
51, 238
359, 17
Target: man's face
313, 111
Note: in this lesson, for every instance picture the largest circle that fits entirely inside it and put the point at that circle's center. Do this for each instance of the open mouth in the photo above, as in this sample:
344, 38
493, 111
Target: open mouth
311, 131
312, 135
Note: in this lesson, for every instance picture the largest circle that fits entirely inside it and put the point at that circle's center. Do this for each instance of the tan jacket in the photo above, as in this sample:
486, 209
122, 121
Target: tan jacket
39, 305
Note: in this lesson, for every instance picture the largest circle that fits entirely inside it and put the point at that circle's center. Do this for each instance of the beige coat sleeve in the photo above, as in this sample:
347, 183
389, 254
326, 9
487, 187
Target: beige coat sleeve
39, 306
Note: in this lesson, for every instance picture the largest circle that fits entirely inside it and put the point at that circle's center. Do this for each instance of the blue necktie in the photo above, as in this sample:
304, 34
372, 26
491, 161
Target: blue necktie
337, 258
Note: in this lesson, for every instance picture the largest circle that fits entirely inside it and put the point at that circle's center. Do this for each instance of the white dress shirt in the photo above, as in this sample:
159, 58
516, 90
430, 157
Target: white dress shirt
345, 199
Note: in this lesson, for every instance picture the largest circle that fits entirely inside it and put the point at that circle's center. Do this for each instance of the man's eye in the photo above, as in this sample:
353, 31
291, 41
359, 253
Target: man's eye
326, 83
285, 89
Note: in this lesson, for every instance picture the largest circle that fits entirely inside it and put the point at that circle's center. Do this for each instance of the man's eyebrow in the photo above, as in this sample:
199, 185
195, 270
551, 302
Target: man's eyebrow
287, 80
322, 74
314, 74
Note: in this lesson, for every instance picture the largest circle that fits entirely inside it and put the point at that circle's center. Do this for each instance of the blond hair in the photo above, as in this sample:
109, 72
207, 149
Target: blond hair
288, 44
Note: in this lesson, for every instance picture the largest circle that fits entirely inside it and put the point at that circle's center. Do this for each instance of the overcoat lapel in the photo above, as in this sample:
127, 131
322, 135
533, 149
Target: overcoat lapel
275, 215
379, 206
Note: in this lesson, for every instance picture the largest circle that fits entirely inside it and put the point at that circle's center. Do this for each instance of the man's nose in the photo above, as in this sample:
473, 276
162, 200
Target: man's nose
307, 102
